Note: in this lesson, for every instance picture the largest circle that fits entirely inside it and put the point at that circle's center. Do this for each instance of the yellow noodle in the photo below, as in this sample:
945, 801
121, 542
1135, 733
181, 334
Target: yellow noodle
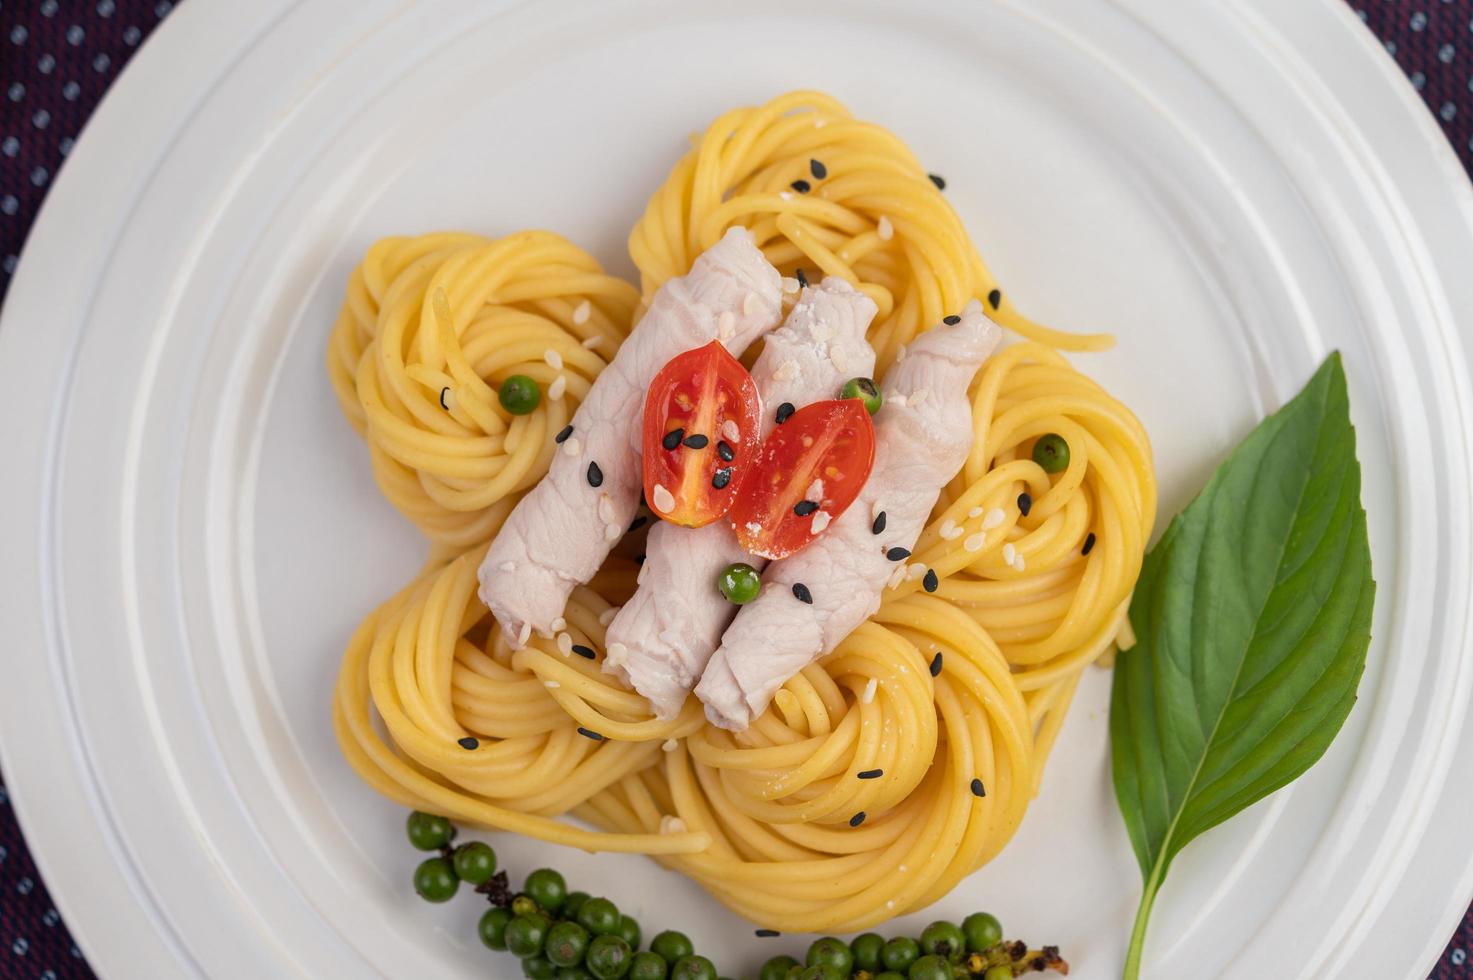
765, 819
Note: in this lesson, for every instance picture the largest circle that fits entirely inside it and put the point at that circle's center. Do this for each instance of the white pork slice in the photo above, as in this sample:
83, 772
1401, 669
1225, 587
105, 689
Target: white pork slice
560, 533
661, 639
923, 433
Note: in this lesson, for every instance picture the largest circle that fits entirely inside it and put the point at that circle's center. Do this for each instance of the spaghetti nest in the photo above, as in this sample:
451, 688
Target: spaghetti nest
883, 773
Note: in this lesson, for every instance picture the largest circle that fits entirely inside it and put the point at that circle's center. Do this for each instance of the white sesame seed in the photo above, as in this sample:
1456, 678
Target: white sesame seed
670, 745
731, 432
790, 285
592, 342
671, 825
553, 358
917, 398
750, 302
606, 508
839, 358
821, 520
903, 867
556, 389
508, 566
447, 398
898, 400
785, 195
900, 353
896, 577
664, 500
884, 229
725, 325
559, 624
581, 312
820, 123
975, 542
615, 654
889, 903
994, 518
916, 570
786, 371
565, 644
949, 530
551, 684
524, 634
815, 489
870, 688
607, 616
974, 513
572, 446
1018, 562
1009, 553
612, 532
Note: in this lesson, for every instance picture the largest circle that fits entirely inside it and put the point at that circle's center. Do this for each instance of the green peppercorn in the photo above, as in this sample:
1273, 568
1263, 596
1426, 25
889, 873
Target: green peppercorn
547, 888
574, 973
821, 971
435, 880
899, 953
628, 931
608, 957
526, 934
1052, 453
672, 946
866, 391
538, 968
428, 832
982, 930
599, 916
519, 394
475, 862
777, 968
931, 967
492, 927
943, 939
998, 973
572, 904
831, 952
739, 582
524, 905
866, 950
566, 943
648, 966
693, 968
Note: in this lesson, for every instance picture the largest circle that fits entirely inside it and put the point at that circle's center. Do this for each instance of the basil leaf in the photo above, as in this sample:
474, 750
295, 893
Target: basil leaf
1252, 617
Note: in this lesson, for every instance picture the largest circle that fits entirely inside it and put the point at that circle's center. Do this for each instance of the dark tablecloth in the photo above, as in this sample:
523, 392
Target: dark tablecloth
56, 61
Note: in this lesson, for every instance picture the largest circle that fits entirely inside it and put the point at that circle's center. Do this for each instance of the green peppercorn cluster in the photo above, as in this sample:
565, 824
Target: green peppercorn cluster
563, 935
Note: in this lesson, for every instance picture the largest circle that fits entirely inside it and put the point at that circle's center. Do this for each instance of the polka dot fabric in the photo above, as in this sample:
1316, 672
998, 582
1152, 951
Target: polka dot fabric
58, 58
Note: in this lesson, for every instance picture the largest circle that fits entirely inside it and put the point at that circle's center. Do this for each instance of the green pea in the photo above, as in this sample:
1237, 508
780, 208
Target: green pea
693, 968
566, 943
777, 968
648, 966
574, 973
943, 939
899, 953
526, 934
492, 927
831, 952
998, 973
608, 957
538, 968
1052, 453
628, 931
672, 946
435, 880
572, 904
821, 971
866, 391
982, 930
599, 916
739, 582
519, 394
428, 832
475, 862
931, 967
547, 888
866, 950
523, 905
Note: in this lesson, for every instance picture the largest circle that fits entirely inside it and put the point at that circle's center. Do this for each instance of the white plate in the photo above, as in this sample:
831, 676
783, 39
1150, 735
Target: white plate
189, 529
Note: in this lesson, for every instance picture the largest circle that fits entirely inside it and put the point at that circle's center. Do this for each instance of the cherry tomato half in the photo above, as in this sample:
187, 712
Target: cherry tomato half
702, 420
810, 468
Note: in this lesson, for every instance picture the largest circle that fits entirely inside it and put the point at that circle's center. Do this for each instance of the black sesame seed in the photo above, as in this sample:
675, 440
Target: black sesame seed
801, 593
801, 186
879, 525
938, 180
932, 581
637, 523
443, 392
1025, 503
872, 774
672, 439
936, 664
725, 451
1089, 544
697, 441
784, 412
857, 819
818, 170
978, 789
994, 298
722, 478
805, 507
562, 436
898, 554
588, 733
802, 279
767, 933
595, 475
469, 743
585, 652
952, 320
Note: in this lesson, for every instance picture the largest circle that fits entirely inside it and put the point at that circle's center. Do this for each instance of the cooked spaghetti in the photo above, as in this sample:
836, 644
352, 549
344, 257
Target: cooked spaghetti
883, 773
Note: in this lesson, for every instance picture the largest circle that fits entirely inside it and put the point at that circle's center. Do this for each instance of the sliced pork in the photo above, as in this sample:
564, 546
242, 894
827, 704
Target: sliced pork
561, 532
923, 435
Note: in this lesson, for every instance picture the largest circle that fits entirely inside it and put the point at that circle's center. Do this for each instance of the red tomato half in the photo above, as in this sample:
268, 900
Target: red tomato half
808, 471
702, 419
